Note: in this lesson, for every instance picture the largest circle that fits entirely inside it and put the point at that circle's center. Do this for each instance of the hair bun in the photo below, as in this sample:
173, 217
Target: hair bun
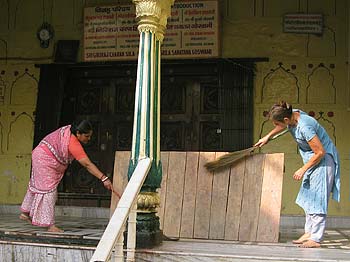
286, 106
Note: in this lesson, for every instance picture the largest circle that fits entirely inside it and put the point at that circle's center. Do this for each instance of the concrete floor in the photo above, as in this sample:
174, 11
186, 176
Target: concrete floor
86, 232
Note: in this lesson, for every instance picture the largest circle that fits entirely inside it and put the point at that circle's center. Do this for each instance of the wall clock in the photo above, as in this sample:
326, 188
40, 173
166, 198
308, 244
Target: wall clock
45, 33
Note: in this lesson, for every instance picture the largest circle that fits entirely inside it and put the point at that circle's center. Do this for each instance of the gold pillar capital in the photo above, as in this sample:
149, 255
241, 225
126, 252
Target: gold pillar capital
152, 15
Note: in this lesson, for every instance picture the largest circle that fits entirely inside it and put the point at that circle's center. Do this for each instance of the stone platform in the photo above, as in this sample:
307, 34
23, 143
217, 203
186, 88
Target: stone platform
22, 242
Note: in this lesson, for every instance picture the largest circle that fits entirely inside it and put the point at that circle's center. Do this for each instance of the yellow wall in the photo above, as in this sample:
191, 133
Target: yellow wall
19, 52
315, 66
18, 92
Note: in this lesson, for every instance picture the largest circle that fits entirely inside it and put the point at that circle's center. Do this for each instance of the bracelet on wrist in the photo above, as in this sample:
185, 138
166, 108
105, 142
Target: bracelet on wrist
104, 179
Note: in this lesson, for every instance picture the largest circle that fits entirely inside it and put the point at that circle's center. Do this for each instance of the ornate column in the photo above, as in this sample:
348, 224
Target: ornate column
152, 18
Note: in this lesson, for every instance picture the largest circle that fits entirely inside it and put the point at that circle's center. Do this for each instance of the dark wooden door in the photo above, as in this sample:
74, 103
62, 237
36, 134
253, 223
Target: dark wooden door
205, 106
105, 96
189, 108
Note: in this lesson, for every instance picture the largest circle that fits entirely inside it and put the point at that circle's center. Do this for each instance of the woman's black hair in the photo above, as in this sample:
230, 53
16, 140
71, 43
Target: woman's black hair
83, 127
280, 111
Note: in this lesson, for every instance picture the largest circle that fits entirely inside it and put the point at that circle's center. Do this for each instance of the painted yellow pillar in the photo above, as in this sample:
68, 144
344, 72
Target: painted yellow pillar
152, 18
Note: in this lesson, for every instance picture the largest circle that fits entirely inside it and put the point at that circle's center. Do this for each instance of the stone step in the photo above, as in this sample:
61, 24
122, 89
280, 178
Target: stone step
40, 252
222, 251
176, 251
44, 237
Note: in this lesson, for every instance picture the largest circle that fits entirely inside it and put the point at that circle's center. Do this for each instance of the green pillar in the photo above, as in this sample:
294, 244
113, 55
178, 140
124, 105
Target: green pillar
151, 16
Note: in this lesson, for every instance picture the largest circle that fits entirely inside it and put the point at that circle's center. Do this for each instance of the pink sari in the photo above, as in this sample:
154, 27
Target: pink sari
50, 160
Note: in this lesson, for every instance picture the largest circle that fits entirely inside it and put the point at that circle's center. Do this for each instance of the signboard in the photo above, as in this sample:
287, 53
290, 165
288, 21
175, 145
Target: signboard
303, 23
110, 32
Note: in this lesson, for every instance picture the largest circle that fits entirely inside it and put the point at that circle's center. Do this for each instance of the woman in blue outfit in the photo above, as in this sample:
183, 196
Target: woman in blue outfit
320, 172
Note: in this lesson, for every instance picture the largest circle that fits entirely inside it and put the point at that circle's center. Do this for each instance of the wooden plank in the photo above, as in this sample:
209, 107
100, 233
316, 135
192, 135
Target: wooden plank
234, 201
164, 156
271, 196
189, 201
174, 194
203, 197
219, 202
251, 197
120, 176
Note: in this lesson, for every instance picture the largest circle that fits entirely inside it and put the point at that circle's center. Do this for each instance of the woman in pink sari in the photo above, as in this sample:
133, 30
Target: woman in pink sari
50, 160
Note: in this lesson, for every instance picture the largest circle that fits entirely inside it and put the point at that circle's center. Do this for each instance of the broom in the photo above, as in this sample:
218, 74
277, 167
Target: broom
229, 159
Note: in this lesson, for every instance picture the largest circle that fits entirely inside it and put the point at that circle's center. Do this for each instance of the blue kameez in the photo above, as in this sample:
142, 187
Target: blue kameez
312, 195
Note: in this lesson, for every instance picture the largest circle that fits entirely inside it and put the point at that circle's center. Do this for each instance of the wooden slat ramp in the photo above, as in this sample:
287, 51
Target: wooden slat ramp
242, 203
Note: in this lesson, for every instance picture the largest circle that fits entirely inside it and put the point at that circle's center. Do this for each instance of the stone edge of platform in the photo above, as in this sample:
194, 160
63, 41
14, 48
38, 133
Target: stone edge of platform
70, 211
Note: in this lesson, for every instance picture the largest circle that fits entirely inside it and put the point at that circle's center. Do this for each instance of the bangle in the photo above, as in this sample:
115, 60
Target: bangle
104, 179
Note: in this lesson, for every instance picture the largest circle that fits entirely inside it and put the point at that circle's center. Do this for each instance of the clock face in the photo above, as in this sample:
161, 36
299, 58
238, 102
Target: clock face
44, 34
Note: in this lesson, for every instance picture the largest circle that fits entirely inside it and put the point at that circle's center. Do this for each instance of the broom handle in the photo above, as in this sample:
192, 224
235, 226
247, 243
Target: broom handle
272, 138
279, 134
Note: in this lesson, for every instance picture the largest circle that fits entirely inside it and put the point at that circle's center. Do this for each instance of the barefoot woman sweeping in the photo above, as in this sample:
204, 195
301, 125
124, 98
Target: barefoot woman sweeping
50, 160
320, 172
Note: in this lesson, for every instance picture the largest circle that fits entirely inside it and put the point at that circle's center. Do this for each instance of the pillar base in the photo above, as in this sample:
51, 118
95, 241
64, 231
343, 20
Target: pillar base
148, 233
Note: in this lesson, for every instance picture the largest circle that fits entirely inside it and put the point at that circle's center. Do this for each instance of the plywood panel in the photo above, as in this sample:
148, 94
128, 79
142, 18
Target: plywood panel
203, 197
251, 198
120, 175
189, 201
234, 201
219, 202
271, 196
164, 156
242, 203
174, 194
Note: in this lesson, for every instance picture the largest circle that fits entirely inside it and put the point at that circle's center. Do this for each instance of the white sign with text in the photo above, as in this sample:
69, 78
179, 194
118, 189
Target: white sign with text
110, 32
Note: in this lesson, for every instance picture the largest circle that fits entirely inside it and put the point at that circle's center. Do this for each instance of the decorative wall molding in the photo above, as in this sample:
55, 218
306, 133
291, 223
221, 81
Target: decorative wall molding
320, 85
280, 83
16, 90
3, 50
331, 127
3, 87
13, 122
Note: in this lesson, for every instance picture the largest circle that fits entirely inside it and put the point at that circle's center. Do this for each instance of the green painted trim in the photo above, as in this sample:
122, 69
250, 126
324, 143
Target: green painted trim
131, 168
154, 178
148, 99
139, 98
155, 103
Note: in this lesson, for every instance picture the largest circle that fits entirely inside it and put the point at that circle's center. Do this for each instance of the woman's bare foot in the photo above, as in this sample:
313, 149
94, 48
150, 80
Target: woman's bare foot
302, 239
310, 244
53, 228
25, 217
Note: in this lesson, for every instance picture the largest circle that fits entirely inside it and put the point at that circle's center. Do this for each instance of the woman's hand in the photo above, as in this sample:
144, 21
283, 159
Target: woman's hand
299, 174
262, 141
108, 184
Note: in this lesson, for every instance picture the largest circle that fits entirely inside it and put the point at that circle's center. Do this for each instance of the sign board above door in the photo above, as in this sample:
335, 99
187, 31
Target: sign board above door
303, 23
110, 32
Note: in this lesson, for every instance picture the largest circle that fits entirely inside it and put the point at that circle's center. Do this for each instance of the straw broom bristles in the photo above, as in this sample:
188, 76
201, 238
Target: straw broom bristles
229, 159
